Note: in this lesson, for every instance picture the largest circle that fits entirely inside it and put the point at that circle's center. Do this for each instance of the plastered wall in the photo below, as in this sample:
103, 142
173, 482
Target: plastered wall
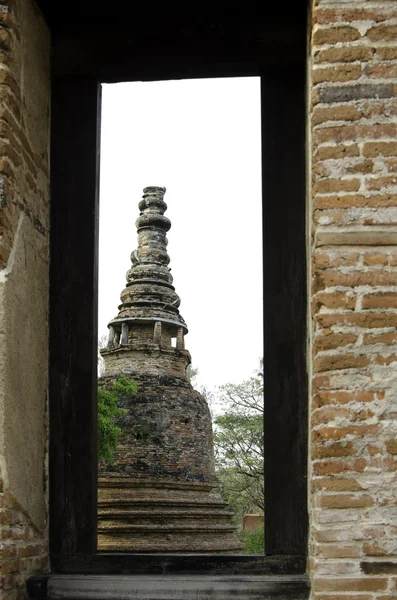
24, 224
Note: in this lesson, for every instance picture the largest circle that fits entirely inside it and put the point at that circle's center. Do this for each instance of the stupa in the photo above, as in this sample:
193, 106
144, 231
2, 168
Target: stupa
161, 493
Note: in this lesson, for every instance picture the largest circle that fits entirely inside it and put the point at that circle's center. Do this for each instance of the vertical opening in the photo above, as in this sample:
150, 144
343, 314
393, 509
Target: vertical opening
201, 140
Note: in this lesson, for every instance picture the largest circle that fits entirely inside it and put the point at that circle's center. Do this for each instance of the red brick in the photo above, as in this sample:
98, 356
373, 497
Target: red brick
324, 398
336, 450
344, 361
333, 433
332, 467
380, 300
334, 300
334, 340
325, 414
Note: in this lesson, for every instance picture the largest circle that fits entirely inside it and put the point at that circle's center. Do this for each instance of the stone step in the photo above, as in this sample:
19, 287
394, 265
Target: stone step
201, 543
129, 517
166, 502
158, 527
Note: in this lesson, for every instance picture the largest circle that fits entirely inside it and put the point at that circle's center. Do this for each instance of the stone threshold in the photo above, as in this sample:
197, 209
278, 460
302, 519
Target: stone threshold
166, 587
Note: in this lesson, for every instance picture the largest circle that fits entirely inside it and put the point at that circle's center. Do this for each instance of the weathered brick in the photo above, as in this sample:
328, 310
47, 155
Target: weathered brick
338, 551
381, 338
358, 13
344, 361
343, 133
333, 433
341, 596
345, 501
336, 74
361, 91
335, 300
382, 71
335, 113
391, 446
334, 35
327, 186
347, 584
331, 277
380, 183
340, 484
338, 151
383, 148
331, 413
391, 165
334, 340
349, 54
380, 300
364, 166
324, 260
375, 258
336, 467
336, 450
382, 33
358, 200
372, 236
386, 53
367, 319
373, 549
323, 398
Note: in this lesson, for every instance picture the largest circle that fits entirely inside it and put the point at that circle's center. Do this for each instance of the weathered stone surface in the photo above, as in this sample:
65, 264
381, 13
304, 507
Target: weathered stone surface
184, 587
24, 263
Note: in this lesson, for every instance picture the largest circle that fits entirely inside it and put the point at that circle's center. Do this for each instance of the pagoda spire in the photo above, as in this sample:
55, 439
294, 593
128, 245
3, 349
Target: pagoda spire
161, 493
148, 317
149, 293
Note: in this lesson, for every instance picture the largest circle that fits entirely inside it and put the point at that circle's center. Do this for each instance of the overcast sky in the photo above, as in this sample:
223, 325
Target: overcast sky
201, 140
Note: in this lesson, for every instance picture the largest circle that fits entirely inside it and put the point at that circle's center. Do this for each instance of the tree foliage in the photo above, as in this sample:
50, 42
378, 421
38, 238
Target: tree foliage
238, 435
254, 541
108, 413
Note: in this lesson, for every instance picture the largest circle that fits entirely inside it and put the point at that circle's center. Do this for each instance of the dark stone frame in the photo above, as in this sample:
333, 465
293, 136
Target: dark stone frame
80, 64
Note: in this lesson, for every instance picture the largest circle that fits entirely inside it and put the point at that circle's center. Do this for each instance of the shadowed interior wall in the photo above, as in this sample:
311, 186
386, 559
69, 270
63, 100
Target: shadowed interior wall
24, 223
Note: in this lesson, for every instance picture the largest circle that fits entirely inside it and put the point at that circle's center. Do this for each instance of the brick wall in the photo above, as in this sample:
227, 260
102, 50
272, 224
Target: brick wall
24, 221
353, 237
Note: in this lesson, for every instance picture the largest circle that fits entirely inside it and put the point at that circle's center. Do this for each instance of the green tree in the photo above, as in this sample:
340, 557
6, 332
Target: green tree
238, 436
108, 413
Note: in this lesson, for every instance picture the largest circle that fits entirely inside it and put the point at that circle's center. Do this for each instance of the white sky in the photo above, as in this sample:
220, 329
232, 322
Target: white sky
201, 140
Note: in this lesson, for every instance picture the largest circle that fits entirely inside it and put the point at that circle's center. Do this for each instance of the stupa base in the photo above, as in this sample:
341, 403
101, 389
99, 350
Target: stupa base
160, 515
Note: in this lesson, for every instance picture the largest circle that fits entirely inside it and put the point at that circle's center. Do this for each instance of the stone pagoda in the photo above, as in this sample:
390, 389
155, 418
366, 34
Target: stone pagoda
161, 493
